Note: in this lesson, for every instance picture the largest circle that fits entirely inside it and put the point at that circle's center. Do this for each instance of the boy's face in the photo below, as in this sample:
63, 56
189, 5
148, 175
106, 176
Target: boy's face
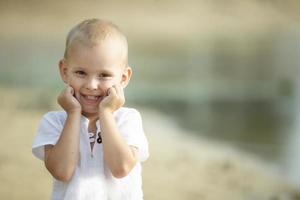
91, 71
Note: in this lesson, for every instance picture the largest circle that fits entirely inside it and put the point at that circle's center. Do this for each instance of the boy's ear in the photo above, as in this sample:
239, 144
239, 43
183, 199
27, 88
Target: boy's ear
63, 70
126, 76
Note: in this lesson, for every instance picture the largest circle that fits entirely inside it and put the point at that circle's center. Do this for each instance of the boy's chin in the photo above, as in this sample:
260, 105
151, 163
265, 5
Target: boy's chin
90, 112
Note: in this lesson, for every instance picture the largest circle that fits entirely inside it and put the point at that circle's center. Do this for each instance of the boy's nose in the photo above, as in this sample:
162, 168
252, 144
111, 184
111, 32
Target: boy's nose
92, 84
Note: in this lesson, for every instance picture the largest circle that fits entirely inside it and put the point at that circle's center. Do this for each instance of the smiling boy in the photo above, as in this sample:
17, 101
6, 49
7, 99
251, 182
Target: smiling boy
93, 148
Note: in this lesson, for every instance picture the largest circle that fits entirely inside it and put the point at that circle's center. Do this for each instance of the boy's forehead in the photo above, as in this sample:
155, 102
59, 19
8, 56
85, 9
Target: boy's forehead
108, 44
108, 51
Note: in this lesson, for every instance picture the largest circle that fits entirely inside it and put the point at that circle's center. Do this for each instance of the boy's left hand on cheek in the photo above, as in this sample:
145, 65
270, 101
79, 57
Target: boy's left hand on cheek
114, 100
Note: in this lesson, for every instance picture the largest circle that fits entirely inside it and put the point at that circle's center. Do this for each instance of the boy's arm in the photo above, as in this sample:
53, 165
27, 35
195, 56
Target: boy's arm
61, 159
119, 156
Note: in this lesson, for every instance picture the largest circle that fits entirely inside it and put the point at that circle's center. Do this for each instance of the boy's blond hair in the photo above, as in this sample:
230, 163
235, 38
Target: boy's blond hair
91, 32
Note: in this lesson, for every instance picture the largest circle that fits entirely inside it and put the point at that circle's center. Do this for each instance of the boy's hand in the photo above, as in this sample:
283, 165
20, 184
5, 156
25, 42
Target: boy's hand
114, 100
67, 100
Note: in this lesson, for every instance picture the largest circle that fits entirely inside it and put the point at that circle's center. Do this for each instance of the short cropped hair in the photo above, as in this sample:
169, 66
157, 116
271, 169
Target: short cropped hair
92, 31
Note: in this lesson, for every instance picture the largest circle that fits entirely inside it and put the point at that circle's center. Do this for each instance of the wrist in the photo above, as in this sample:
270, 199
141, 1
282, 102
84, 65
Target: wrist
105, 112
76, 111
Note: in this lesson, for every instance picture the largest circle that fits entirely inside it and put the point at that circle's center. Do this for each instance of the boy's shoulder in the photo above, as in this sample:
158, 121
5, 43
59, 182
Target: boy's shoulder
55, 115
126, 111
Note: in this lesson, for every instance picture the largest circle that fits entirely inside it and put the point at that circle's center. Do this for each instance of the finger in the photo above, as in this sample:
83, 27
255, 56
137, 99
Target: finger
111, 91
119, 90
70, 90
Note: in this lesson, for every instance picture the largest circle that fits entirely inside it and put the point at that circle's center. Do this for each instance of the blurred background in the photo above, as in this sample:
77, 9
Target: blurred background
220, 71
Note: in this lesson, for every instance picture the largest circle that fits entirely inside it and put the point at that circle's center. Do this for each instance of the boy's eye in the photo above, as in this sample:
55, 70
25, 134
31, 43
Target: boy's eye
80, 73
105, 75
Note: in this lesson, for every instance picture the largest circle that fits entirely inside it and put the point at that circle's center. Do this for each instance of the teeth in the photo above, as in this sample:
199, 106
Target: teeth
92, 97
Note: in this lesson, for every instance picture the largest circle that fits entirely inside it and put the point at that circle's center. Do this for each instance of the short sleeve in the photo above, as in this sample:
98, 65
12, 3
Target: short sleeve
132, 131
48, 132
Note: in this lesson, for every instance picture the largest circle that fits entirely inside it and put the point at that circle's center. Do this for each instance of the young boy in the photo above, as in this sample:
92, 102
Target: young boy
93, 148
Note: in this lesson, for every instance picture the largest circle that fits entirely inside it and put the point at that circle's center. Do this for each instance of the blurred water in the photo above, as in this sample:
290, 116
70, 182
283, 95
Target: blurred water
291, 140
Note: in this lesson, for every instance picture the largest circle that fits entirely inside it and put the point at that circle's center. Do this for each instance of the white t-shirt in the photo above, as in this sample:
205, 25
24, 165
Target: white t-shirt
92, 179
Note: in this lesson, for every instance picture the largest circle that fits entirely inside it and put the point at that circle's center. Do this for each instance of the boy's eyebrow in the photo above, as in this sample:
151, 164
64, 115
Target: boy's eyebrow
78, 67
106, 71
98, 71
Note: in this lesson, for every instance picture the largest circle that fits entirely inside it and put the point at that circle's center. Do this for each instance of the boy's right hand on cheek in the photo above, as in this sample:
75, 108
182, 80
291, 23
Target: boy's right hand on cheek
114, 99
67, 100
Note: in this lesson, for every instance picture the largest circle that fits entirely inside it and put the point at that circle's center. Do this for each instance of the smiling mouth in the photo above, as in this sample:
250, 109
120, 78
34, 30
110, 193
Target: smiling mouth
91, 99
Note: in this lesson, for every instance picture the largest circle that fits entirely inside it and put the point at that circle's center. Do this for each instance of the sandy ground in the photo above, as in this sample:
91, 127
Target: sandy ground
180, 167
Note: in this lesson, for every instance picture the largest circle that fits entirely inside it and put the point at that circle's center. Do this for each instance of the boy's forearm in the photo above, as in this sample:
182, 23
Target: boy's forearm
62, 159
117, 154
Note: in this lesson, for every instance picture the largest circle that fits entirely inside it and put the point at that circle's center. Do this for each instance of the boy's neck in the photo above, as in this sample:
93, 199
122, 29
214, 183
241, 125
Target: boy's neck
92, 127
91, 117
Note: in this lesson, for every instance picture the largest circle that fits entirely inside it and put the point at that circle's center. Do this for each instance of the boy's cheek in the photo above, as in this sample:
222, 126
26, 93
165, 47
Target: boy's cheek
108, 85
